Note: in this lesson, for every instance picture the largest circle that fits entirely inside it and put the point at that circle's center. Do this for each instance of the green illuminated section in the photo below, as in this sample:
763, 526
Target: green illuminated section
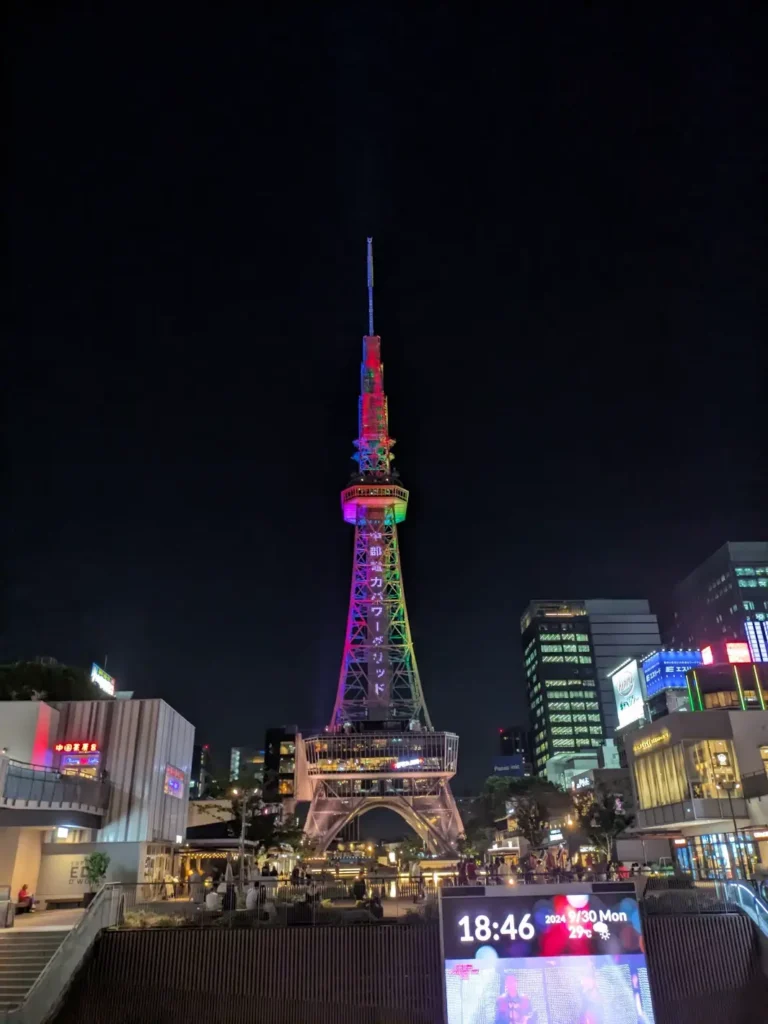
738, 687
759, 688
698, 691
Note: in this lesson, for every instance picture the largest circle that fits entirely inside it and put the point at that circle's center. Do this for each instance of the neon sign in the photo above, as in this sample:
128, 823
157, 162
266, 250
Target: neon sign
658, 739
102, 679
76, 748
707, 657
413, 762
175, 780
738, 653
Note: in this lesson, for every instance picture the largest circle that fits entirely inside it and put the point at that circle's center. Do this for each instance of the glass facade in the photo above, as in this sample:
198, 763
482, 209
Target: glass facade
718, 855
697, 769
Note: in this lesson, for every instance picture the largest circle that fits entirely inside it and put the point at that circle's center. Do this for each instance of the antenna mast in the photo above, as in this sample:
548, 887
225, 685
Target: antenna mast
370, 287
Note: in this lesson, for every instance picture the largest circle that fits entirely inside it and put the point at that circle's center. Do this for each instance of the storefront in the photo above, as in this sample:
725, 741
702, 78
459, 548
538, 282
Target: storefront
717, 855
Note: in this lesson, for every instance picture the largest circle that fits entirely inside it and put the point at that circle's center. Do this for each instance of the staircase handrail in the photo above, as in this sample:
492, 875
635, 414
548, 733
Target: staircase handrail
105, 911
743, 894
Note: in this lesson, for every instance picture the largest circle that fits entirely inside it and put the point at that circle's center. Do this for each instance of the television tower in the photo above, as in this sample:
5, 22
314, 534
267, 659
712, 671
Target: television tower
380, 749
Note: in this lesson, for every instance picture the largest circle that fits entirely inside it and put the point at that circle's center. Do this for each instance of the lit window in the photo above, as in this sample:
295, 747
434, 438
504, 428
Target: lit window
552, 649
745, 571
582, 637
571, 659
749, 606
749, 583
584, 660
584, 648
569, 647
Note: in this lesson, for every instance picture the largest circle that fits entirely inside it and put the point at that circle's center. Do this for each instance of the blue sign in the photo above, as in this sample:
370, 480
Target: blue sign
509, 764
666, 669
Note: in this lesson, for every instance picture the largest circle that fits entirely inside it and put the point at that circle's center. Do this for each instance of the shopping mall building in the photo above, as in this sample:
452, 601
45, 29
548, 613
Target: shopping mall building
77, 777
702, 777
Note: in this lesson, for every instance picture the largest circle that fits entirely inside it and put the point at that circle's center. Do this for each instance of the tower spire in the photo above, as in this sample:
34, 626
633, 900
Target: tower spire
370, 287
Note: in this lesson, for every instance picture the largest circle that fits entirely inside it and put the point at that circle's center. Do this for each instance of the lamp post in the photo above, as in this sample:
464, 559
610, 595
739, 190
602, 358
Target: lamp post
729, 787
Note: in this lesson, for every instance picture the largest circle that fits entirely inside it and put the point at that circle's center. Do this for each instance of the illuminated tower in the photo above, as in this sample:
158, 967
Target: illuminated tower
380, 748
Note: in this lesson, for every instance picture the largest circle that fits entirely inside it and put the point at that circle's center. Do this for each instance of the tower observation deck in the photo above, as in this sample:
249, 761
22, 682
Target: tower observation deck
379, 748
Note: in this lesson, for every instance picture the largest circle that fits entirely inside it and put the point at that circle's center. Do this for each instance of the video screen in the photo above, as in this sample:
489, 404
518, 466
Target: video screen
546, 959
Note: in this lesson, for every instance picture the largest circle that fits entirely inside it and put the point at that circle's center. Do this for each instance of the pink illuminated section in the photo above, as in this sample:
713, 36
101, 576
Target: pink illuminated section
738, 653
707, 657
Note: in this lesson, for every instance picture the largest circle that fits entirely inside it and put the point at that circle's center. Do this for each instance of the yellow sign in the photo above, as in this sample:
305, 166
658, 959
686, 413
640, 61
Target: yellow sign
648, 743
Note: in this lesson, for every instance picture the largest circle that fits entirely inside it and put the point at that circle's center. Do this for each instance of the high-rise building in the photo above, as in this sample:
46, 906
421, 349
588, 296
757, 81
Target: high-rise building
246, 764
722, 596
515, 740
620, 629
561, 684
569, 649
280, 764
200, 775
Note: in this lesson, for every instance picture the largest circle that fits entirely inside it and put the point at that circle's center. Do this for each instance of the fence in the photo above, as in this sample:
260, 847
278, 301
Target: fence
35, 784
270, 902
272, 976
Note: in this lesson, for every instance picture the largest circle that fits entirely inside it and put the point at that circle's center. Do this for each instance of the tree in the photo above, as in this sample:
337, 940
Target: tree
600, 821
410, 848
531, 818
96, 865
32, 680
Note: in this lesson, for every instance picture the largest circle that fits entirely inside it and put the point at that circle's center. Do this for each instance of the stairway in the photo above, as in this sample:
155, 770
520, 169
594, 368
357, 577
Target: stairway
23, 955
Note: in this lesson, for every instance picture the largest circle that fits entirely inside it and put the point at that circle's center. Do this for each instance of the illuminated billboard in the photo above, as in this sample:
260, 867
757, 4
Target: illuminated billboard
549, 954
175, 781
102, 679
665, 669
628, 693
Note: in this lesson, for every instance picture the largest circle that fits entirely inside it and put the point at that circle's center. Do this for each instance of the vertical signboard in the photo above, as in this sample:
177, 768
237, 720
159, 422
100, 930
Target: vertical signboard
628, 691
545, 954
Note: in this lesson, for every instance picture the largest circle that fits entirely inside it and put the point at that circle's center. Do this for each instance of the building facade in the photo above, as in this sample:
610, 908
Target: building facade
113, 776
246, 764
561, 683
722, 595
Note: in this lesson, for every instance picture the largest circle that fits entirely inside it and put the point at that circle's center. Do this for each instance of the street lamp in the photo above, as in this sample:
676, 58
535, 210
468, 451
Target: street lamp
729, 787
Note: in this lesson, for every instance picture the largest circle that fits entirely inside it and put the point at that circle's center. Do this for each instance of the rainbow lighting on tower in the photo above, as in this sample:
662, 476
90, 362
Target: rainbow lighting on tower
380, 748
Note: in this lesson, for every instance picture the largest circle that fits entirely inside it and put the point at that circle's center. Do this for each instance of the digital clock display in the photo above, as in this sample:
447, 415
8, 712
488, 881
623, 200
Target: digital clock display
544, 956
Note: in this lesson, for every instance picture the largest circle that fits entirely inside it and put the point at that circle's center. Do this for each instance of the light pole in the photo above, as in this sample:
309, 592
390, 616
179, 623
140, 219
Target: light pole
728, 787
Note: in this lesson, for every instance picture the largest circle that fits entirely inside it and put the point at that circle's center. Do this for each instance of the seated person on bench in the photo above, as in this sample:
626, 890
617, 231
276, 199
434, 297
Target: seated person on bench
25, 900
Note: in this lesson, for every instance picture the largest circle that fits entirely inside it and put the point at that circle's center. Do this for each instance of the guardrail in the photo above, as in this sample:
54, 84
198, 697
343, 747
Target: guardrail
24, 784
50, 988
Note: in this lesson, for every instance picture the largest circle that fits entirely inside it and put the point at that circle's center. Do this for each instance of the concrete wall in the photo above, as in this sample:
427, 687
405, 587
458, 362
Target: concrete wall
62, 868
20, 850
28, 729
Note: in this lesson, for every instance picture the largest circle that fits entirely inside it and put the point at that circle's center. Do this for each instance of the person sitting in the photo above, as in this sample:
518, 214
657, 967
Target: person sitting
25, 901
213, 900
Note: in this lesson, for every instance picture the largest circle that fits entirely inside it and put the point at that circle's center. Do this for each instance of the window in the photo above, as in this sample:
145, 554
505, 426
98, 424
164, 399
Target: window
559, 705
562, 730
751, 583
595, 730
584, 648
745, 571
554, 683
552, 649
711, 767
568, 636
593, 718
563, 744
569, 647
572, 659
582, 637
560, 718
660, 778
592, 705
583, 660
552, 659
578, 705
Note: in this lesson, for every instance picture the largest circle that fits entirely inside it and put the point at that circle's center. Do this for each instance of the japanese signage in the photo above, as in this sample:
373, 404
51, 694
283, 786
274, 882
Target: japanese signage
102, 679
378, 625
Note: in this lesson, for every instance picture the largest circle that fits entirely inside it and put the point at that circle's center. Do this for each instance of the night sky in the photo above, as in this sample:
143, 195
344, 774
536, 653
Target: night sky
570, 246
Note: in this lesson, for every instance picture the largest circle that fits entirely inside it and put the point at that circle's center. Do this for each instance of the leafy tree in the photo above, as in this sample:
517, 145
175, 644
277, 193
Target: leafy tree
96, 865
600, 821
410, 848
31, 680
531, 818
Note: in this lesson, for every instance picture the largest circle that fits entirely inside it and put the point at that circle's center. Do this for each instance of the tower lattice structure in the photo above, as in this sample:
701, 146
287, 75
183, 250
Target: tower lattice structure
380, 748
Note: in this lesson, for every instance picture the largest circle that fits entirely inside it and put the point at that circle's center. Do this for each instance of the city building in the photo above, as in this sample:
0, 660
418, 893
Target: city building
514, 756
619, 629
704, 778
734, 682
280, 767
246, 764
651, 686
561, 685
570, 649
79, 777
200, 776
722, 596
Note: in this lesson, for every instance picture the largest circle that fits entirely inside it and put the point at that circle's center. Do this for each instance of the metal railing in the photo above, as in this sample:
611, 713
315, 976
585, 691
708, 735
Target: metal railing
42, 786
270, 903
746, 897
46, 994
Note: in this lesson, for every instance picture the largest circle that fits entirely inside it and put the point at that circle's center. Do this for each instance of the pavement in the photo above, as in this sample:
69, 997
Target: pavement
49, 920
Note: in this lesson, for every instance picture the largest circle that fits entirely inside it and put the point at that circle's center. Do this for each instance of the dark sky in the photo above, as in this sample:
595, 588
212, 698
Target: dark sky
570, 246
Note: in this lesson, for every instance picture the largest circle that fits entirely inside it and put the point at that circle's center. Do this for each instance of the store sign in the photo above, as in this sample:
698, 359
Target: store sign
555, 956
175, 781
80, 760
628, 693
102, 679
76, 748
738, 653
760, 834
681, 842
555, 835
582, 782
648, 743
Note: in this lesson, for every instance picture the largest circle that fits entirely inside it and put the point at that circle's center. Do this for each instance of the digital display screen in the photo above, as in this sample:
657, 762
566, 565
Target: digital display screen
175, 781
81, 760
544, 958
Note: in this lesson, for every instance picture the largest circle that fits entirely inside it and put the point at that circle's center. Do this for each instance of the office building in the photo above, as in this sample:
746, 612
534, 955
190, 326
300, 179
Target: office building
515, 740
561, 685
246, 765
619, 629
200, 776
280, 749
722, 596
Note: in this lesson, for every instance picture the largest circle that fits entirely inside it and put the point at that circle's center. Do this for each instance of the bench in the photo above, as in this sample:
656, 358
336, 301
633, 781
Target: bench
63, 902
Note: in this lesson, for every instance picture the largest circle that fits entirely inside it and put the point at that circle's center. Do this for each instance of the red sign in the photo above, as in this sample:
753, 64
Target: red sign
738, 653
707, 657
76, 748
